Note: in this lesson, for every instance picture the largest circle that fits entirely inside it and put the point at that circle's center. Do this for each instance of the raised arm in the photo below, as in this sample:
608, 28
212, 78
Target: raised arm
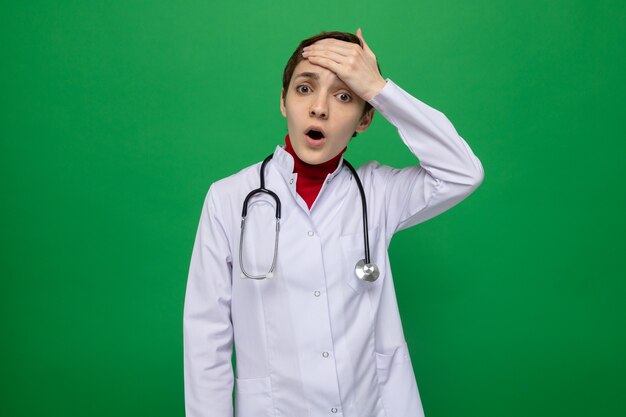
448, 170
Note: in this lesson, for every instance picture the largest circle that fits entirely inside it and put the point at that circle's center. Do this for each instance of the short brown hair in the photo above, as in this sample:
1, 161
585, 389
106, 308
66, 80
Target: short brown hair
296, 57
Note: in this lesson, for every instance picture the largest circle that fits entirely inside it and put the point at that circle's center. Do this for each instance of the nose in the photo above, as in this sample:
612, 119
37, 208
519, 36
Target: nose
319, 107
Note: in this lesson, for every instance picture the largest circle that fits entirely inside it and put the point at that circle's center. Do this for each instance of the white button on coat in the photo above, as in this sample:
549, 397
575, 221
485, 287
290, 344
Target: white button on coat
277, 328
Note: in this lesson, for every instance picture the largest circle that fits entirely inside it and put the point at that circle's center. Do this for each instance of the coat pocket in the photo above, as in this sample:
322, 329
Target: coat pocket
253, 397
353, 248
397, 382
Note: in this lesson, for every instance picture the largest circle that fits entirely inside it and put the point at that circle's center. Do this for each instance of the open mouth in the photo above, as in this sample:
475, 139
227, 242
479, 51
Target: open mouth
315, 134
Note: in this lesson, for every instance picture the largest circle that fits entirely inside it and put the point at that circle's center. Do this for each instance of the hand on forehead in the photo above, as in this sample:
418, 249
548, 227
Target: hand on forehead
352, 64
332, 49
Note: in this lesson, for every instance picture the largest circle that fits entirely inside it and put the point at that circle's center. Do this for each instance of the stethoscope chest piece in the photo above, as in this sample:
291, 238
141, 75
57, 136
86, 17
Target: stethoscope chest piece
366, 272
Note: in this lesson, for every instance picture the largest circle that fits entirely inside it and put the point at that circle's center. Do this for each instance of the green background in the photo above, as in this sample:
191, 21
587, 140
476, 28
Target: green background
116, 117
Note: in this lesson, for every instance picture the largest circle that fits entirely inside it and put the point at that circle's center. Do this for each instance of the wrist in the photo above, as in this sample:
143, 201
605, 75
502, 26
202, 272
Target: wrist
375, 89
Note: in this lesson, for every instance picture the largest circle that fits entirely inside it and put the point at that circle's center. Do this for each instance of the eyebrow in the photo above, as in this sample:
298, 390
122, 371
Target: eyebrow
308, 75
316, 77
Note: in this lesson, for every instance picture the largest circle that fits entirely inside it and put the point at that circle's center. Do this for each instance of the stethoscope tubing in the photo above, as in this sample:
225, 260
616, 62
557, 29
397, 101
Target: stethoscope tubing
364, 207
365, 263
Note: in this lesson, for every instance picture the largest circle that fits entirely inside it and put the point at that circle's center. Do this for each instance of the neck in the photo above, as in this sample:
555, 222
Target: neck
311, 177
309, 170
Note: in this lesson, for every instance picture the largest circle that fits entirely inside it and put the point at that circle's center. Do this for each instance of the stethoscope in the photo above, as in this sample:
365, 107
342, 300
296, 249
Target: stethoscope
364, 269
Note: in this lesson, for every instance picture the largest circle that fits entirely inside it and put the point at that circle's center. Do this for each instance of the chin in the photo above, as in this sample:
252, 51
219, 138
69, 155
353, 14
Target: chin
314, 160
310, 157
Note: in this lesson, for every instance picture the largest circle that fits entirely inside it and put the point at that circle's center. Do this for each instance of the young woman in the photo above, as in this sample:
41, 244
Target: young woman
309, 300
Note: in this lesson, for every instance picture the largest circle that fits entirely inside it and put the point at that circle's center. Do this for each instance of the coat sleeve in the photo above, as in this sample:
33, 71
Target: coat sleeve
207, 324
448, 171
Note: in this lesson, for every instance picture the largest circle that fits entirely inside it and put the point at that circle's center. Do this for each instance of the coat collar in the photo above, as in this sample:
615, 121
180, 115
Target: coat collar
284, 163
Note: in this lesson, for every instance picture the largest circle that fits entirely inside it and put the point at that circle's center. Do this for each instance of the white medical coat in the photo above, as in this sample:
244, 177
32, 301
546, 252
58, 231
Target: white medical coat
315, 340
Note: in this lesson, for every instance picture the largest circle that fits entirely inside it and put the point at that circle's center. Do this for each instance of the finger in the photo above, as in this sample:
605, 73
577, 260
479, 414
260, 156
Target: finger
359, 34
340, 47
337, 57
327, 63
341, 55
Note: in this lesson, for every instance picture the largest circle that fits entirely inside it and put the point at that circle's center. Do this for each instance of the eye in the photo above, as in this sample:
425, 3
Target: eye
345, 97
303, 89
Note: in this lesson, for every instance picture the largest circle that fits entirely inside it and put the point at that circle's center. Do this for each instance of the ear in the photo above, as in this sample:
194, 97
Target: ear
283, 110
366, 121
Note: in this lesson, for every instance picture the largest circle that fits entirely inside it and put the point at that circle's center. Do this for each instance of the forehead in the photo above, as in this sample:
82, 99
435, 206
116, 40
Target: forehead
306, 70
